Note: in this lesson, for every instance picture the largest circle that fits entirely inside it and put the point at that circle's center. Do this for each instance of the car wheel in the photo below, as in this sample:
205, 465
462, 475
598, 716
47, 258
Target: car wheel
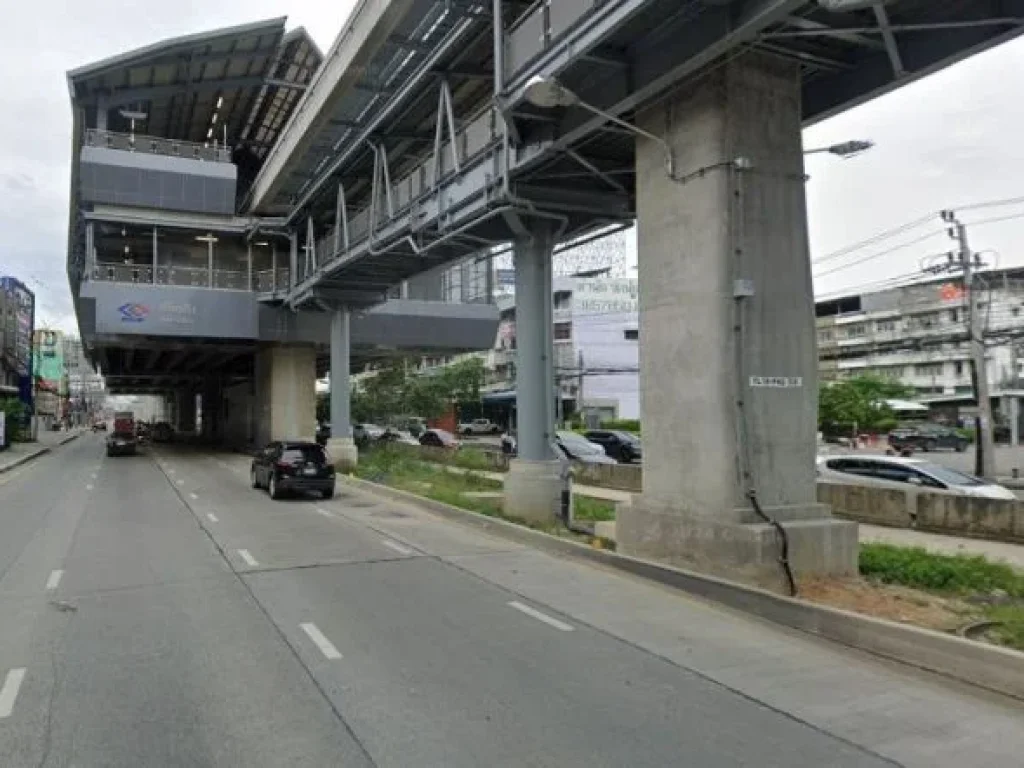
254, 478
329, 493
929, 446
272, 489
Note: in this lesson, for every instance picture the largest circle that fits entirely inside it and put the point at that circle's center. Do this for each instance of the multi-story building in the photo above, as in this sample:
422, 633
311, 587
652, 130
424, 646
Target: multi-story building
596, 347
17, 315
917, 333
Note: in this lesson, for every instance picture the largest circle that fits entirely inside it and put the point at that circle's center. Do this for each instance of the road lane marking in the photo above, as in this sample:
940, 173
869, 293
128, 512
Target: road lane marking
325, 512
193, 496
326, 646
88, 487
93, 475
552, 622
397, 547
54, 581
249, 559
213, 518
180, 482
10, 691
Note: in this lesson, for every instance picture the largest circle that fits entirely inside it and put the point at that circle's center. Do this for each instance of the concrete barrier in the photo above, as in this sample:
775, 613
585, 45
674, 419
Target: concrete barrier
937, 512
986, 666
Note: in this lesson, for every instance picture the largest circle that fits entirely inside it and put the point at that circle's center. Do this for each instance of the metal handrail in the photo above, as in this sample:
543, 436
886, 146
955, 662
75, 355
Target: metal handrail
154, 145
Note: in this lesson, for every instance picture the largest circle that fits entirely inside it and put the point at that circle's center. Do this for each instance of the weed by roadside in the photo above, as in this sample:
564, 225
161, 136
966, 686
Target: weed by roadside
587, 508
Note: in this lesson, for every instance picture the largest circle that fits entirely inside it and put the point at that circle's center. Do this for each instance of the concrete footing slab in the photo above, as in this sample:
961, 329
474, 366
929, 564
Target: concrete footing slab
343, 453
737, 549
533, 490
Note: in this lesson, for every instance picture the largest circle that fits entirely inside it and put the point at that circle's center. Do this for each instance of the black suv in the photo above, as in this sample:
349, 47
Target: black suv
624, 447
927, 437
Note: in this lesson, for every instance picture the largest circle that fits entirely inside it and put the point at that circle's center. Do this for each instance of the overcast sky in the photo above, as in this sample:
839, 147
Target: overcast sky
950, 140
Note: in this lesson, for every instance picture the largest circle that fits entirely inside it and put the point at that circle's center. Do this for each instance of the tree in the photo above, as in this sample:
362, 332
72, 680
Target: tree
858, 404
16, 414
394, 392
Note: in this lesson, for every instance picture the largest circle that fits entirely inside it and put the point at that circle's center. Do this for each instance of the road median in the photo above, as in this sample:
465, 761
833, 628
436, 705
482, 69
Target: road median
986, 666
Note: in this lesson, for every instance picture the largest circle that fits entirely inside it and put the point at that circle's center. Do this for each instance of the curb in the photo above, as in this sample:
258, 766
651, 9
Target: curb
985, 666
24, 460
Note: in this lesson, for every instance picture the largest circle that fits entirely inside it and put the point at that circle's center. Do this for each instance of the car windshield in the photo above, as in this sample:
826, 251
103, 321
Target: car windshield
579, 444
294, 453
949, 476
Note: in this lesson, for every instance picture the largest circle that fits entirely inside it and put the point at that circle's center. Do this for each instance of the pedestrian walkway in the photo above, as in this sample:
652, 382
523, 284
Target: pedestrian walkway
19, 453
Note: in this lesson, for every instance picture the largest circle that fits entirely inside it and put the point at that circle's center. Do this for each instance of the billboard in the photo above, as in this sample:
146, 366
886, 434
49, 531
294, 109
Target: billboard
49, 361
605, 295
18, 346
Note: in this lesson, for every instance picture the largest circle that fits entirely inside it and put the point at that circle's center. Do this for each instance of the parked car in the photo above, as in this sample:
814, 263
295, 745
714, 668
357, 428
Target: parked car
162, 432
439, 438
400, 436
927, 437
366, 433
479, 427
99, 426
624, 447
576, 447
902, 473
291, 466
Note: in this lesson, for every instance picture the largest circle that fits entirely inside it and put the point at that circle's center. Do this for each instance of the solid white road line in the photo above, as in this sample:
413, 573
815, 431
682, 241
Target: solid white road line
552, 622
213, 518
397, 547
54, 581
10, 691
249, 559
193, 496
326, 646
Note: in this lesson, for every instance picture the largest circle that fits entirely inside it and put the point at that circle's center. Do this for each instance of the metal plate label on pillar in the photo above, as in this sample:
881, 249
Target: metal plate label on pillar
776, 382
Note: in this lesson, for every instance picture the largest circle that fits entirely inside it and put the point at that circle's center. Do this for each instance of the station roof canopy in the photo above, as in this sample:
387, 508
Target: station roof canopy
246, 79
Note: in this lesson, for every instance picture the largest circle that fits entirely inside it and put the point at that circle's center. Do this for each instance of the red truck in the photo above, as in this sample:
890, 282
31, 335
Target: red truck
122, 440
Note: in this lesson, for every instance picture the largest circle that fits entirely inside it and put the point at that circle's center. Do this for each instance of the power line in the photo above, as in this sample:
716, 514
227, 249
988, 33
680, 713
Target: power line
878, 254
874, 239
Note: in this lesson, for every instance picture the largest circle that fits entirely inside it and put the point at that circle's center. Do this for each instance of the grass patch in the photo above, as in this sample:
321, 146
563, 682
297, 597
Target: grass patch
398, 469
956, 574
589, 508
993, 591
473, 458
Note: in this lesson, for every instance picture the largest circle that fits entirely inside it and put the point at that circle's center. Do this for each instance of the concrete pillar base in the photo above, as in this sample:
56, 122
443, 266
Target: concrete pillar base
533, 490
738, 550
343, 452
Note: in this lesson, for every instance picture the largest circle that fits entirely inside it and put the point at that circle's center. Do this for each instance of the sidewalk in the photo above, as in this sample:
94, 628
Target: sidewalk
20, 453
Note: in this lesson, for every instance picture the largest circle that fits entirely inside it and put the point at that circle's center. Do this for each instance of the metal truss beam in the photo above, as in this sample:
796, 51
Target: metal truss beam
891, 49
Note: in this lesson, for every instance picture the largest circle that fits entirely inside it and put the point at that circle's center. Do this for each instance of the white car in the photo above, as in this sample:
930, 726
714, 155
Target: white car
899, 473
479, 427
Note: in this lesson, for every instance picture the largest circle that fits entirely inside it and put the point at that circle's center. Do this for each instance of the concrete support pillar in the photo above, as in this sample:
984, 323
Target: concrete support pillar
533, 485
1014, 416
185, 408
285, 393
341, 447
213, 417
728, 365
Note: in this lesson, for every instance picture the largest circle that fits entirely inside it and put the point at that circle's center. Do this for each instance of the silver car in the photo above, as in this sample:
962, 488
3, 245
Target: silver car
902, 474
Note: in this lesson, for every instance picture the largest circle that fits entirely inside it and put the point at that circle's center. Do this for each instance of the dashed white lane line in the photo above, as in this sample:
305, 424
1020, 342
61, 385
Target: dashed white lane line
550, 621
396, 547
326, 646
248, 558
88, 486
193, 496
180, 482
54, 581
9, 693
324, 512
93, 475
213, 518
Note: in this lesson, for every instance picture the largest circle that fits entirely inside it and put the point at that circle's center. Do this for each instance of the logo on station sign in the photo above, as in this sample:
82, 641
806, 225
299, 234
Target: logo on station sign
133, 313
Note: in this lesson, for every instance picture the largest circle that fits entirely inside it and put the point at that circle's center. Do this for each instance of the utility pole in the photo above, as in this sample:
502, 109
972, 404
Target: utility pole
984, 457
579, 390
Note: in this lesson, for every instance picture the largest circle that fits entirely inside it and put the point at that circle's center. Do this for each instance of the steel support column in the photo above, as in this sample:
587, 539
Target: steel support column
534, 370
341, 447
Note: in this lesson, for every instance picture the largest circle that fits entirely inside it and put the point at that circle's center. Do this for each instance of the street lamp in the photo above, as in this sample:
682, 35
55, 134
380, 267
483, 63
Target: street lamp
843, 149
548, 93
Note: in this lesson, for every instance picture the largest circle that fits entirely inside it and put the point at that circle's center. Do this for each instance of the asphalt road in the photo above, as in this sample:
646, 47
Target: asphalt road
156, 611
